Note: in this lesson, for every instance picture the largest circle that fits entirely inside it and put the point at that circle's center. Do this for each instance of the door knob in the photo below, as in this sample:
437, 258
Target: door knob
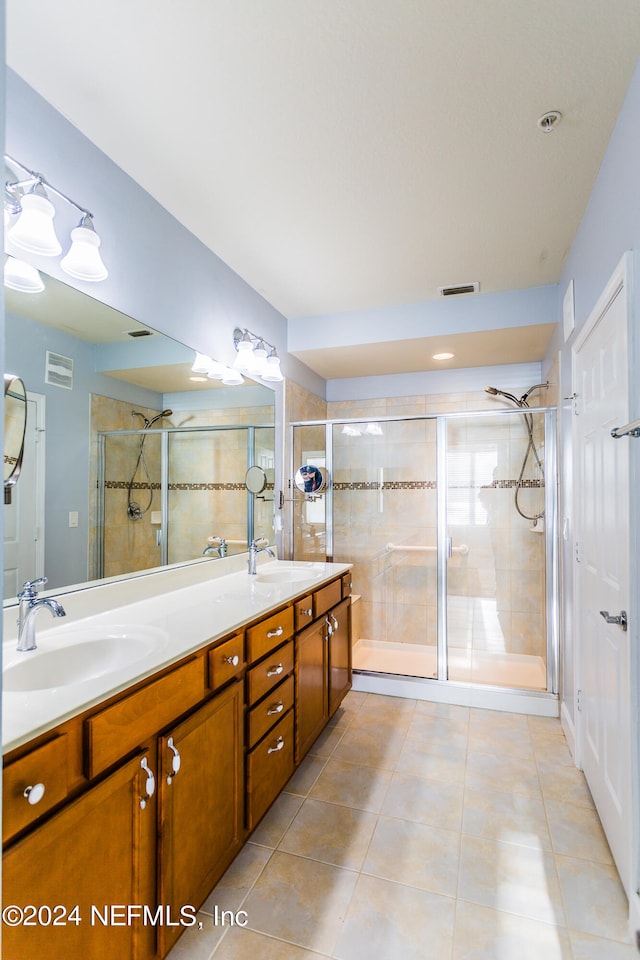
621, 620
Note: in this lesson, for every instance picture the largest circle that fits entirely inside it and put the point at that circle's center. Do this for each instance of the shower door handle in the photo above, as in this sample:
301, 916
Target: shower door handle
621, 620
448, 546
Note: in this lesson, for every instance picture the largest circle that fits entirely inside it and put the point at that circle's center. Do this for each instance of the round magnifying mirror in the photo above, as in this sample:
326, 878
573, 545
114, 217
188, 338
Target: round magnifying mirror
255, 480
310, 479
15, 422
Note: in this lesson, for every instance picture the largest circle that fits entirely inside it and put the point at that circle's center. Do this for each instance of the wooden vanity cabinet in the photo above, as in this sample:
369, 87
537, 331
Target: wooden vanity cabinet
201, 803
312, 694
96, 854
339, 655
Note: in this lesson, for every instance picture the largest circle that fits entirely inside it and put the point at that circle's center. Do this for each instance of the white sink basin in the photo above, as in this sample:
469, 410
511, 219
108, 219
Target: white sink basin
291, 574
76, 656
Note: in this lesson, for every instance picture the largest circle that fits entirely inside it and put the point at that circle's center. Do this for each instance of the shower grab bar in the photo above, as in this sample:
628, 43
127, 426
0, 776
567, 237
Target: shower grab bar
463, 549
629, 430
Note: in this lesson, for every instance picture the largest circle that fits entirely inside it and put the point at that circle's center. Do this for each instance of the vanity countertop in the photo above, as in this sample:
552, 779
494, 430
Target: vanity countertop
148, 622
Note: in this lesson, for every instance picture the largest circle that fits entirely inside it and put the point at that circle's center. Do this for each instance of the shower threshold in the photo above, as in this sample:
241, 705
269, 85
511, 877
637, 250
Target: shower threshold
497, 668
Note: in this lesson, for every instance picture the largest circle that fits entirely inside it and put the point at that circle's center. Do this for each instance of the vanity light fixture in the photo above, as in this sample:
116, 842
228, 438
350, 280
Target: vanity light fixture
256, 356
22, 277
34, 231
214, 370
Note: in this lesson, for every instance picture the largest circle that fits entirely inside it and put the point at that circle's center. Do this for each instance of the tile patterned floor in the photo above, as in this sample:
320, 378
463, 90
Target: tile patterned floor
421, 830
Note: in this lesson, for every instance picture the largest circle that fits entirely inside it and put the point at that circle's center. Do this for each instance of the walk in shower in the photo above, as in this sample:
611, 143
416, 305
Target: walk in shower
171, 494
449, 522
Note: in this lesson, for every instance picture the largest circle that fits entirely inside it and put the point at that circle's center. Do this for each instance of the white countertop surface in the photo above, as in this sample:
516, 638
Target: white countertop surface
172, 613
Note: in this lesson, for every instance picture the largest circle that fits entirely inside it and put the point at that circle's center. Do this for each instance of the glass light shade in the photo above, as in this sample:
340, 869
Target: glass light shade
245, 350
201, 364
83, 260
258, 360
350, 431
233, 378
33, 231
373, 429
22, 277
272, 368
216, 370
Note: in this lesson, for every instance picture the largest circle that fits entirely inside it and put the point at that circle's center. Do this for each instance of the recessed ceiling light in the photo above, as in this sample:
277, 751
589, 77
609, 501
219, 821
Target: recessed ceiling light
199, 379
443, 356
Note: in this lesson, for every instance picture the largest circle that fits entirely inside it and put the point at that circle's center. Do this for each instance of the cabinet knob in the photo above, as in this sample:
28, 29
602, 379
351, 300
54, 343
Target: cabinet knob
275, 708
176, 759
234, 661
276, 745
275, 633
274, 671
149, 784
308, 612
34, 794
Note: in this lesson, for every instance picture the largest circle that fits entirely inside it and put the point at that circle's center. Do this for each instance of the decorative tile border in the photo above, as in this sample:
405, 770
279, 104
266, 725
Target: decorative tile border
139, 485
432, 485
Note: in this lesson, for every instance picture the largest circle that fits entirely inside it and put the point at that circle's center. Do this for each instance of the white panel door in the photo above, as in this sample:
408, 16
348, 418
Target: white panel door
602, 496
23, 522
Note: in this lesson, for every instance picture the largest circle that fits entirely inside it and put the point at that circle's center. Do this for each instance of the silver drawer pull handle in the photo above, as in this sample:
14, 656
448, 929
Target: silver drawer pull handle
334, 622
274, 671
621, 619
234, 661
275, 708
149, 784
278, 745
34, 794
275, 633
176, 759
308, 612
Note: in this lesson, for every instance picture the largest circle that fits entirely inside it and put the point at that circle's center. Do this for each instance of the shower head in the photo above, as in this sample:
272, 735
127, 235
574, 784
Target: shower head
537, 386
158, 416
501, 393
148, 423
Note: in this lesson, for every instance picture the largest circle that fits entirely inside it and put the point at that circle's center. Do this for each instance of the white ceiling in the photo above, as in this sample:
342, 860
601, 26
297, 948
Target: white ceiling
344, 155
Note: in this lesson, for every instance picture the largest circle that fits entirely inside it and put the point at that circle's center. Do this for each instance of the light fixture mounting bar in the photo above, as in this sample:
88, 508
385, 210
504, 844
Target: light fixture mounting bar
35, 177
238, 335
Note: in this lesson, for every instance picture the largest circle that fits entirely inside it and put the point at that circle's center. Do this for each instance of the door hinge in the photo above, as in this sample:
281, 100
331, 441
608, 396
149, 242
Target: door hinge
579, 701
577, 551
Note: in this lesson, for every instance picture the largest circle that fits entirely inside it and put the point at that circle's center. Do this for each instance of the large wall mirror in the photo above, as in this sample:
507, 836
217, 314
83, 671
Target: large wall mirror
129, 462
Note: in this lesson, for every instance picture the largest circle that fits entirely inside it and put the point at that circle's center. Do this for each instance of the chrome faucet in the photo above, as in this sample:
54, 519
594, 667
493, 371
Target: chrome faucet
220, 550
259, 545
28, 610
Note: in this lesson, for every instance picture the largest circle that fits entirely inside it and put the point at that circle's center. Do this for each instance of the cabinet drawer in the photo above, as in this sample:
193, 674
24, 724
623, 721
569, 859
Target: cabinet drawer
346, 581
303, 612
269, 766
45, 771
269, 634
267, 674
269, 711
326, 597
128, 723
226, 661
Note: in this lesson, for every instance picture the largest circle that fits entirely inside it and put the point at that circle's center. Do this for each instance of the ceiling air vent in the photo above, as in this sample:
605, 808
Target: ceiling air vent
458, 288
59, 371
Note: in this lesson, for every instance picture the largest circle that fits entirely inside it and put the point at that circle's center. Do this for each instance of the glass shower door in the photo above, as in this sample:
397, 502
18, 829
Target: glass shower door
384, 522
496, 572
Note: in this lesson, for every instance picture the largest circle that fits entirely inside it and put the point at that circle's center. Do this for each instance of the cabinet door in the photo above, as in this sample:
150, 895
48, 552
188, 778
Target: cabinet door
82, 869
339, 655
312, 702
201, 802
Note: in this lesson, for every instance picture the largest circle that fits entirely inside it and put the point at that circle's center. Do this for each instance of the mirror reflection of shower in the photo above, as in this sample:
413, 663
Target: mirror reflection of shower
531, 450
134, 510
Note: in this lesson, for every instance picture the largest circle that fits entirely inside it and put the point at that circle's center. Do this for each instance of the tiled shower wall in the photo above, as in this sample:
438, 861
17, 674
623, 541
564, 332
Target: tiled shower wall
207, 494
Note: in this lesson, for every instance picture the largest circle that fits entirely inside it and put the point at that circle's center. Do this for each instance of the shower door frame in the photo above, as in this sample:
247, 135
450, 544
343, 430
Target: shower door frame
466, 689
164, 432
